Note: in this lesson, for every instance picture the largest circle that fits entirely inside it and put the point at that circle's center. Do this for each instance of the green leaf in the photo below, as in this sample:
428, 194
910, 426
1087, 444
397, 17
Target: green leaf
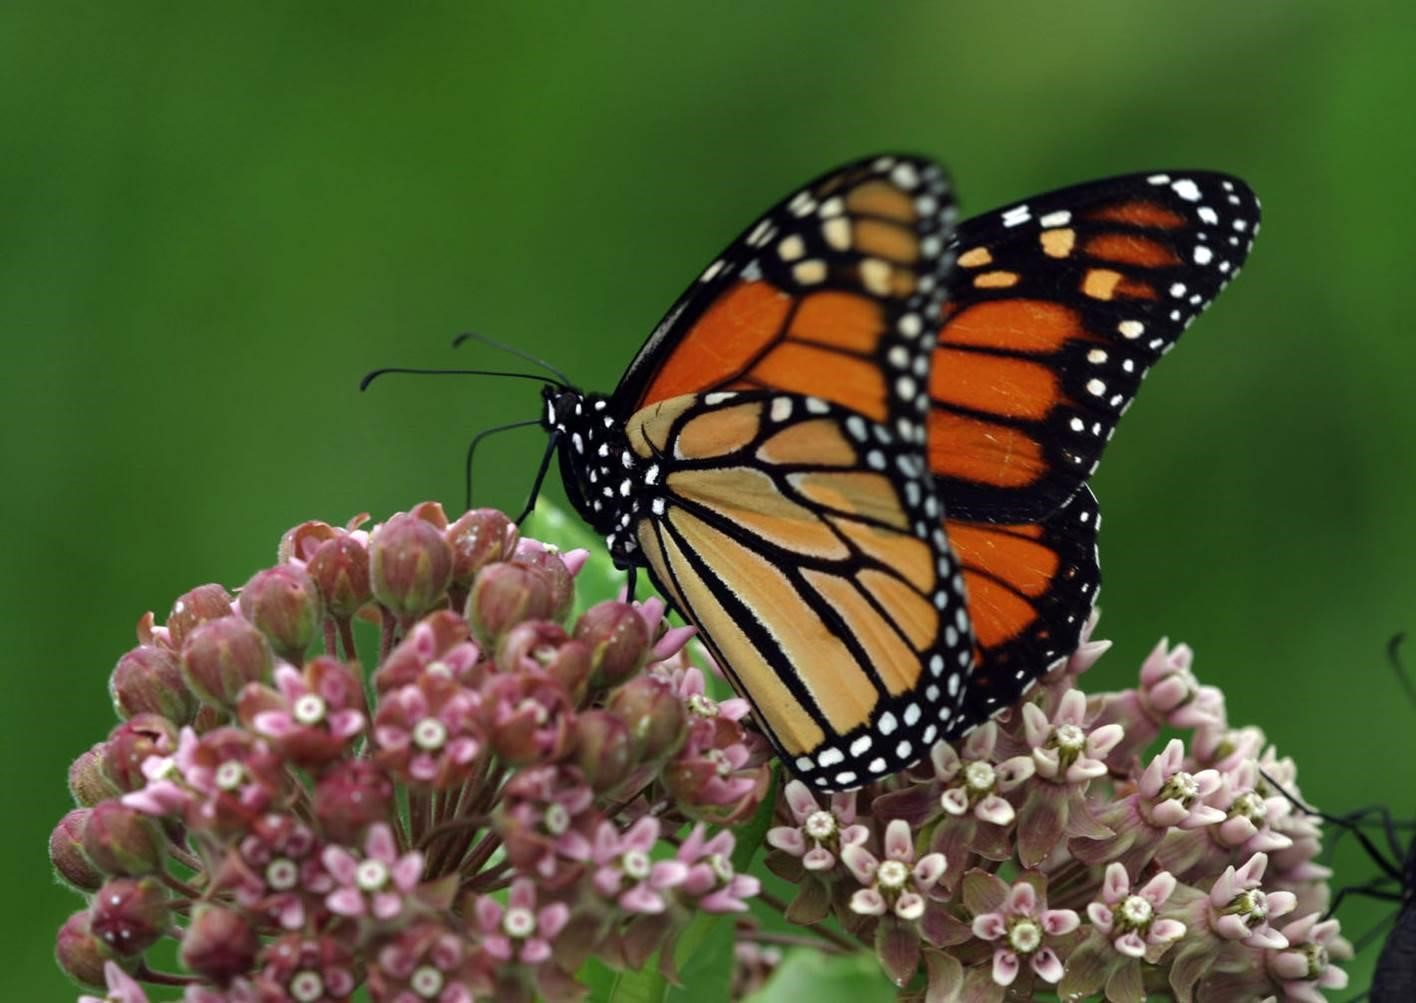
751, 834
704, 954
822, 978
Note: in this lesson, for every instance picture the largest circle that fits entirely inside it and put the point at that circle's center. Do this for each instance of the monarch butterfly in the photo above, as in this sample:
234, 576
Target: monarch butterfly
854, 452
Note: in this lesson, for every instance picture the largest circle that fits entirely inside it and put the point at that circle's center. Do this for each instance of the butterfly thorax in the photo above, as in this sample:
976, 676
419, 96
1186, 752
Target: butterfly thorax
598, 468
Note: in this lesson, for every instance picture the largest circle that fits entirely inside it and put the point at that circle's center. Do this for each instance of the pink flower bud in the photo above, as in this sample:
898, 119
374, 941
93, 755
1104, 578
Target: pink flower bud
506, 594
79, 953
302, 542
148, 680
619, 641
351, 797
284, 604
87, 782
340, 568
550, 564
131, 743
604, 750
120, 840
654, 715
191, 610
410, 565
219, 943
130, 914
67, 855
481, 537
222, 656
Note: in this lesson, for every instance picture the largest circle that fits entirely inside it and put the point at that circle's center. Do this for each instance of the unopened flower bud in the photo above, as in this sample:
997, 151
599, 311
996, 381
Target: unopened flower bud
148, 680
121, 840
410, 565
130, 914
340, 569
549, 563
283, 604
618, 639
506, 594
350, 797
479, 538
604, 750
653, 713
81, 954
203, 603
219, 943
87, 781
67, 855
301, 543
131, 743
222, 656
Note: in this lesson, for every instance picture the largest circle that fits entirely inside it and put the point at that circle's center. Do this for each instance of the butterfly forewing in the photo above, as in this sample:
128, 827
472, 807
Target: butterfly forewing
799, 538
834, 292
1057, 308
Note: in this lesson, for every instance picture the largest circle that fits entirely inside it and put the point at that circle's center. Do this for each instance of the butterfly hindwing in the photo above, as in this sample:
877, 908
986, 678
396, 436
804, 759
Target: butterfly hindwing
835, 292
1057, 308
1030, 588
805, 544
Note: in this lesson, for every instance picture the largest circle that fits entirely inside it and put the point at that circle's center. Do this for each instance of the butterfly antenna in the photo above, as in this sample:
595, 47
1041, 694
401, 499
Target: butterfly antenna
1394, 657
476, 439
375, 374
520, 353
1392, 870
551, 445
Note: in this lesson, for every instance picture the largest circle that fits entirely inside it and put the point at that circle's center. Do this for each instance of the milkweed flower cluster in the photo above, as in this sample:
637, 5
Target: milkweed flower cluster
1055, 851
506, 791
397, 763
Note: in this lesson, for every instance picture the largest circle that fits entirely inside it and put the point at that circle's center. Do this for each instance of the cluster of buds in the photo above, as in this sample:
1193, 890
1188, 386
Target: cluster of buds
510, 790
505, 792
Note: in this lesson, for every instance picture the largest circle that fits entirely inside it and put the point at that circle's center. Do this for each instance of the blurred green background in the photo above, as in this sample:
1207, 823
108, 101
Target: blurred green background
217, 217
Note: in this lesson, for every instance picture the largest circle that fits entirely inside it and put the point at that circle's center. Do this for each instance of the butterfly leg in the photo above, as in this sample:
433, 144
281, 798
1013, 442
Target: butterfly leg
551, 444
631, 572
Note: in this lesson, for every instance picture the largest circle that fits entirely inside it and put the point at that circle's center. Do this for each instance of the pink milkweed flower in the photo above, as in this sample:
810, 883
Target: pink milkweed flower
427, 961
276, 870
820, 833
380, 884
122, 988
429, 732
1126, 929
1063, 750
312, 716
720, 774
899, 884
668, 644
625, 872
440, 642
220, 782
710, 882
317, 969
974, 781
1020, 925
1250, 814
1239, 908
520, 932
1130, 920
690, 687
545, 815
1305, 967
1166, 797
1067, 756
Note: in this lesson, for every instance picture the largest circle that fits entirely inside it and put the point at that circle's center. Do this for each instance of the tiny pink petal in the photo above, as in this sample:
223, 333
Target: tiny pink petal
1045, 962
1005, 967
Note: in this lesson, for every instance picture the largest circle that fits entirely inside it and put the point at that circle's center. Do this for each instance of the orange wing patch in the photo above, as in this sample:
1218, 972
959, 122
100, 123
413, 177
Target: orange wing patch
738, 327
